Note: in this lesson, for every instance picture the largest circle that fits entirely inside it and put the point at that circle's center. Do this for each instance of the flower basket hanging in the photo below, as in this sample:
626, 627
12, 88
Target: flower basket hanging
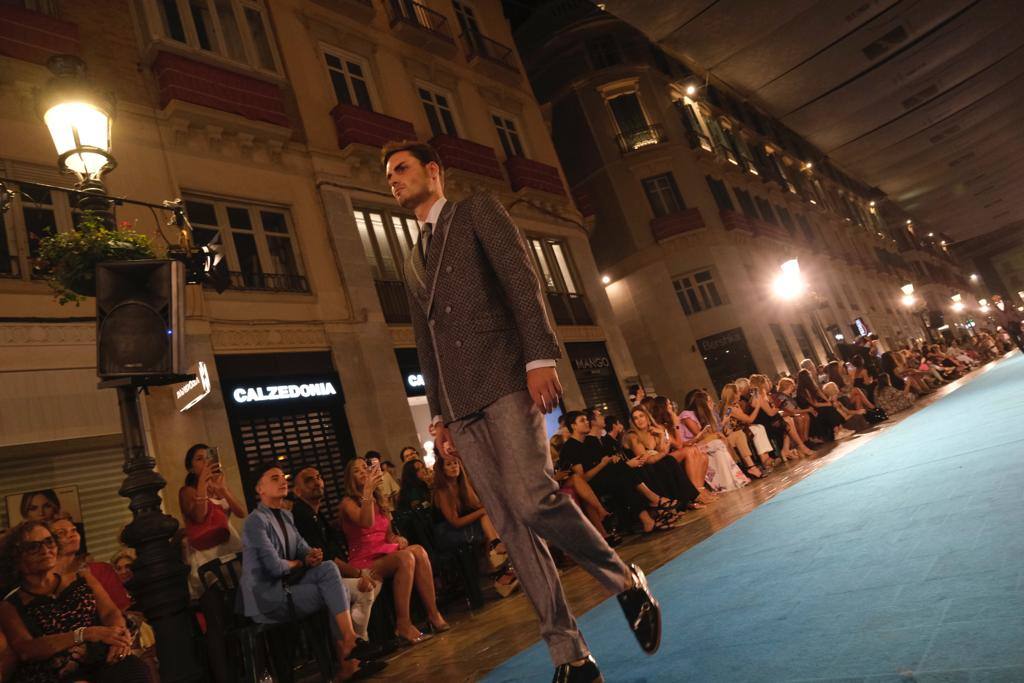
68, 259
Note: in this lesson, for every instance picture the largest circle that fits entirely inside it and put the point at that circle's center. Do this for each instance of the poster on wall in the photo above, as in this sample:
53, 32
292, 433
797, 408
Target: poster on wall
43, 505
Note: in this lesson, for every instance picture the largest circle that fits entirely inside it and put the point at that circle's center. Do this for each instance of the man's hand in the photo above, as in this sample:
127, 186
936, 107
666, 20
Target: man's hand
314, 557
544, 387
443, 443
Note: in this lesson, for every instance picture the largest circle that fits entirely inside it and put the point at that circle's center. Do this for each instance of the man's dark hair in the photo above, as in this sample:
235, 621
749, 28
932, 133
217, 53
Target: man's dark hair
572, 416
590, 411
633, 388
421, 150
372, 455
610, 421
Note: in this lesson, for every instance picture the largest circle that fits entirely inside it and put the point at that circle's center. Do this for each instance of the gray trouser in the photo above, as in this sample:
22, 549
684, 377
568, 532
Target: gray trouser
505, 451
320, 587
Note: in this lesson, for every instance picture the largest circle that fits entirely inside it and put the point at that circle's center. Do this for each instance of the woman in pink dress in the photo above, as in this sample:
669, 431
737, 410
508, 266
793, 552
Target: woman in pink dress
374, 545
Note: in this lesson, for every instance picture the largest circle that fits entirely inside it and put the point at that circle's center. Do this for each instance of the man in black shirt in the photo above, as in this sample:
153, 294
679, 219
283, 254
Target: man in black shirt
363, 586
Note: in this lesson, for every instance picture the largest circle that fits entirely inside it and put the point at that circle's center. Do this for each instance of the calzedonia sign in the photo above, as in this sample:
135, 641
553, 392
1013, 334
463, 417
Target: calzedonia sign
282, 392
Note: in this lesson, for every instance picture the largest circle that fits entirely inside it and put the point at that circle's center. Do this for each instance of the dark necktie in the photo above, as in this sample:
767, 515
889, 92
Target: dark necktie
284, 530
424, 242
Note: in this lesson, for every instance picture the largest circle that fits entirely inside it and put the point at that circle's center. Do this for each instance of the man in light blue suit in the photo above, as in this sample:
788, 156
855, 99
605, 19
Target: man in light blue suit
279, 567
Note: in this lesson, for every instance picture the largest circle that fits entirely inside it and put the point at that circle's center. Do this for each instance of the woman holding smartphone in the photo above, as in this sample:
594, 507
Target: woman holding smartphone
207, 506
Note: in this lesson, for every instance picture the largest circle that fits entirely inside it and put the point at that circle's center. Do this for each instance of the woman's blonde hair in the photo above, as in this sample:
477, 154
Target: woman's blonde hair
729, 393
830, 389
123, 553
786, 383
742, 384
760, 382
651, 422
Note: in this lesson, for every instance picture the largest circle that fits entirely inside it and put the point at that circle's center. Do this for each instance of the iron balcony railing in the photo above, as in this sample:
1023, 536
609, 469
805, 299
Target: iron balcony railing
630, 141
409, 12
569, 309
478, 45
393, 302
265, 282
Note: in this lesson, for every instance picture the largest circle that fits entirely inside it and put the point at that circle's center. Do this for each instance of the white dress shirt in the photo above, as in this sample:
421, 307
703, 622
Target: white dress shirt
432, 216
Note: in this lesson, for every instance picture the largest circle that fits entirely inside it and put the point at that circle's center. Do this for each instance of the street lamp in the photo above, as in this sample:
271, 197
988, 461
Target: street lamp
983, 303
79, 118
958, 305
789, 284
908, 295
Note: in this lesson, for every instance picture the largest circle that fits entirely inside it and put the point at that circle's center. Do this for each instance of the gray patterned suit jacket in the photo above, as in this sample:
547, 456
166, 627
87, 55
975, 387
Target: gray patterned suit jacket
477, 309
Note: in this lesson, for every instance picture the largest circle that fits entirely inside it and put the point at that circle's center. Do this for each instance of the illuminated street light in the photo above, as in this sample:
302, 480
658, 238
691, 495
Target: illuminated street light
958, 305
908, 295
974, 277
79, 118
605, 279
789, 284
691, 90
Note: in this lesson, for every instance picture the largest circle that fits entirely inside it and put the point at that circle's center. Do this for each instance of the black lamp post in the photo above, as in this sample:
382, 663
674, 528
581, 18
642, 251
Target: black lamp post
79, 119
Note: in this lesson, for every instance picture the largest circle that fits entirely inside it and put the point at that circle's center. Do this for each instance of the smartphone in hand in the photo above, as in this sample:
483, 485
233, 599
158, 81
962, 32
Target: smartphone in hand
213, 459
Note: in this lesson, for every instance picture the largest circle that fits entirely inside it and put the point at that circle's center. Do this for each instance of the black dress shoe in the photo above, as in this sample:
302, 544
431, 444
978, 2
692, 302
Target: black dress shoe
364, 650
585, 673
642, 612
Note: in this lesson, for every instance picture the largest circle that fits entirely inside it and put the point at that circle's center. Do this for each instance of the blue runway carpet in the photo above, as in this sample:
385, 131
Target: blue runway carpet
902, 561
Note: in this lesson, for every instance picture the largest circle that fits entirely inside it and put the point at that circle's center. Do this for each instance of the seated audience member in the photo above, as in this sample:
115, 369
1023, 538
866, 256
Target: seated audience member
900, 376
862, 377
122, 563
812, 367
723, 473
464, 521
389, 486
780, 427
414, 491
853, 418
284, 579
609, 476
72, 561
826, 422
207, 506
739, 420
646, 447
850, 394
361, 584
785, 398
409, 453
892, 400
373, 544
61, 625
576, 487
693, 460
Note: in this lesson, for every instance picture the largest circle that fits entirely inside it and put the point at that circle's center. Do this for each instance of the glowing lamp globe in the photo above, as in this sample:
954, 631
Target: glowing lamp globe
79, 118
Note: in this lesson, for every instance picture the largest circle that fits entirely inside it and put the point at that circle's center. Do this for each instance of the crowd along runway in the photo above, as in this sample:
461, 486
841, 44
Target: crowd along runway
901, 561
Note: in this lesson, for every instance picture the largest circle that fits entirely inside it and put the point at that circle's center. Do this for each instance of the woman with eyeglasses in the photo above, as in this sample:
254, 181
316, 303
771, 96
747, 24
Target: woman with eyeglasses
62, 625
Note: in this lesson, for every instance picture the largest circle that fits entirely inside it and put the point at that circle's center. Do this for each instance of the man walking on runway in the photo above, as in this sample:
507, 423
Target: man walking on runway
488, 355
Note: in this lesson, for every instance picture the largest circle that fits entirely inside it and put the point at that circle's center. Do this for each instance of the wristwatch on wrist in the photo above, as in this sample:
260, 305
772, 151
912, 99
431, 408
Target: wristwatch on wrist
79, 635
